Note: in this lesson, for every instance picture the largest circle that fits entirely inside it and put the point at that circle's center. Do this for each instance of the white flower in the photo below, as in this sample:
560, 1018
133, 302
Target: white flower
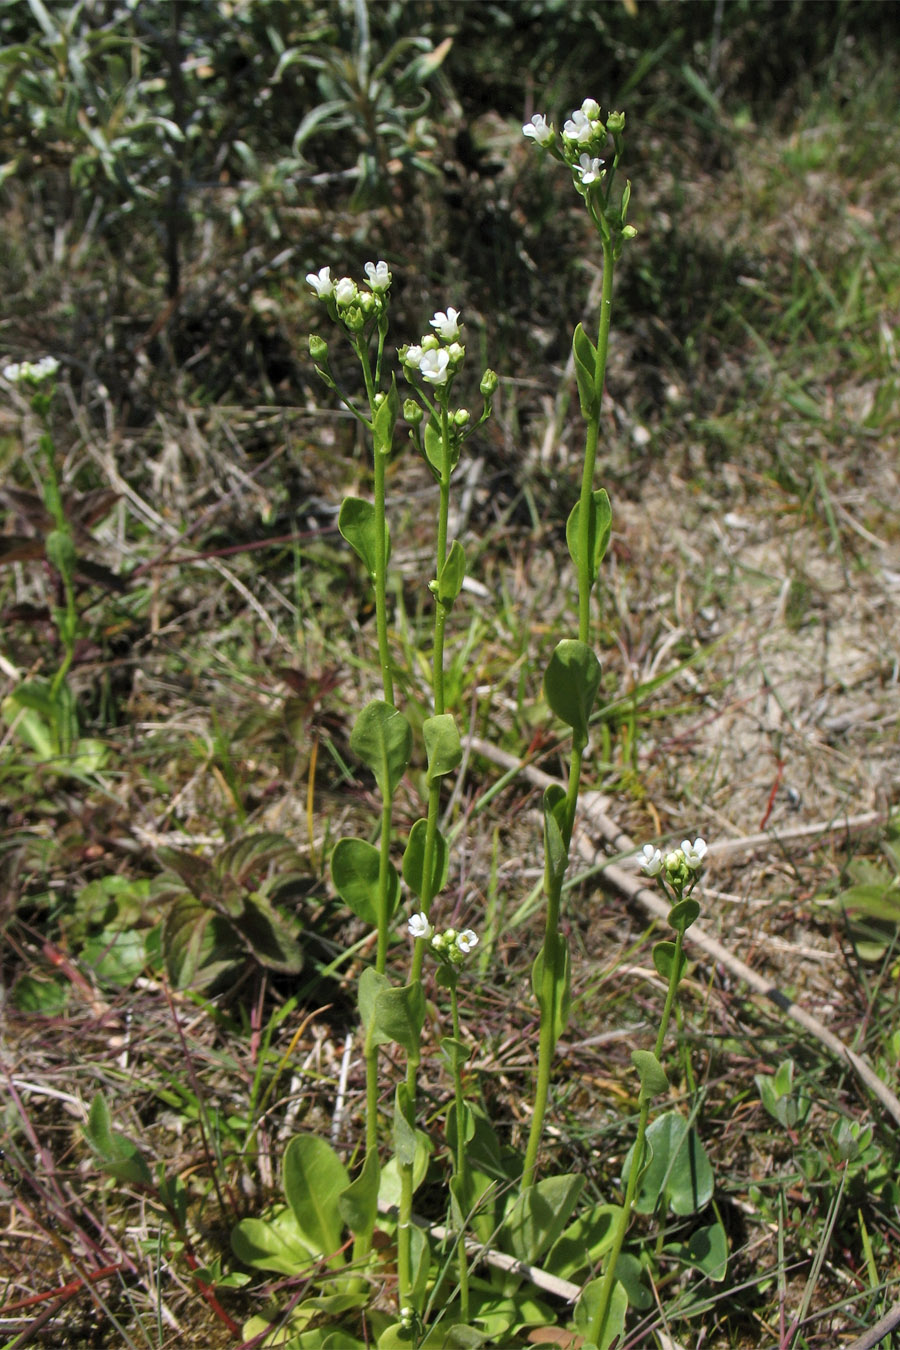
379, 276
433, 367
650, 860
456, 352
419, 927
539, 130
446, 325
466, 941
694, 853
578, 128
321, 282
589, 170
591, 109
346, 291
31, 372
411, 356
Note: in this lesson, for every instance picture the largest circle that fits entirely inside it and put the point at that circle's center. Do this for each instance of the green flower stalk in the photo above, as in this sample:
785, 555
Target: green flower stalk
676, 874
572, 679
37, 377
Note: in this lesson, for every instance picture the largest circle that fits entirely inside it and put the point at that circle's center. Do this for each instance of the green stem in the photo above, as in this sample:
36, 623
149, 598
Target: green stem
585, 579
553, 889
461, 1164
404, 1235
598, 1324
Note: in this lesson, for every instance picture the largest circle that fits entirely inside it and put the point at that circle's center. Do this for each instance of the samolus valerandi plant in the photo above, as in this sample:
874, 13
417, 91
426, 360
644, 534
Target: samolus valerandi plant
498, 1198
44, 710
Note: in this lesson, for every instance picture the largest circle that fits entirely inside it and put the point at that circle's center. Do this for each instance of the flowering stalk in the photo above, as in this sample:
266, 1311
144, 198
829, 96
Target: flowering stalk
676, 874
438, 432
37, 377
583, 136
360, 313
452, 948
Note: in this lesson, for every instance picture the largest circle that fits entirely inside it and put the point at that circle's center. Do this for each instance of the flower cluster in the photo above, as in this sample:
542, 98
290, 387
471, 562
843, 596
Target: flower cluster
581, 145
687, 859
31, 372
346, 301
450, 946
438, 355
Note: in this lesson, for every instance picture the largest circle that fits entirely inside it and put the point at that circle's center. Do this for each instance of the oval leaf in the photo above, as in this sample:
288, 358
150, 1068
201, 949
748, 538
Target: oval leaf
651, 1073
555, 827
452, 574
400, 1015
571, 682
382, 738
414, 862
664, 960
357, 524
585, 354
314, 1178
355, 870
443, 749
682, 915
599, 530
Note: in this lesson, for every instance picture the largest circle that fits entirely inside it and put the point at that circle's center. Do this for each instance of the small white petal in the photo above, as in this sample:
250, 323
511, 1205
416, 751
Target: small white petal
446, 325
433, 367
321, 282
466, 941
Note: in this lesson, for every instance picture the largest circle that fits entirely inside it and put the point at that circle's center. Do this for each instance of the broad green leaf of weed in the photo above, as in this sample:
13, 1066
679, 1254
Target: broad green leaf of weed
571, 682
414, 861
382, 739
355, 870
314, 1178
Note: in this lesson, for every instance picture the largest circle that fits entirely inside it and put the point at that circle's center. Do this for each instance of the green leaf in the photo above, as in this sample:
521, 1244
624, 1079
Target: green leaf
382, 739
404, 1126
272, 1244
198, 945
314, 1178
400, 1015
358, 1203
414, 861
614, 1325
450, 577
116, 955
599, 530
456, 1055
434, 449
651, 1073
118, 1156
555, 1011
585, 1241
384, 422
678, 1173
585, 354
664, 960
706, 1250
358, 524
682, 915
389, 1189
538, 1217
355, 867
270, 937
443, 750
371, 984
555, 830
571, 681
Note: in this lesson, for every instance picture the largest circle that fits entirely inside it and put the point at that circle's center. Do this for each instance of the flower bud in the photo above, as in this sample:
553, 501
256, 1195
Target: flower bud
412, 413
318, 348
354, 319
460, 417
615, 123
489, 382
